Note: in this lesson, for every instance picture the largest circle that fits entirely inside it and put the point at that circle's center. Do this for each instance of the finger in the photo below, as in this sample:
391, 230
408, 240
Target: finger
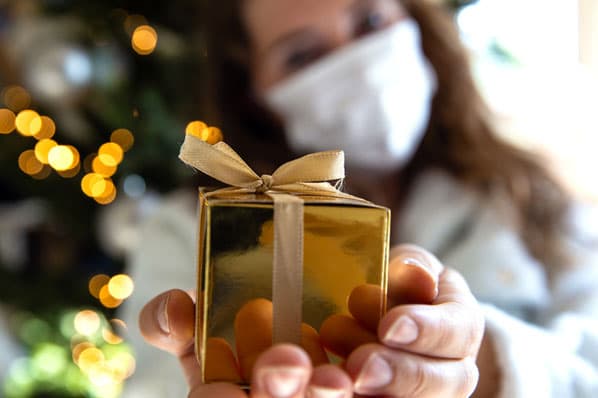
450, 328
253, 335
167, 322
220, 362
329, 381
365, 304
281, 371
341, 334
412, 275
377, 370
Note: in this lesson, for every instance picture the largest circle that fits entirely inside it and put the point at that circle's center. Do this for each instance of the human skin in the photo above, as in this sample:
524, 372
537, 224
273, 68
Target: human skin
427, 343
415, 350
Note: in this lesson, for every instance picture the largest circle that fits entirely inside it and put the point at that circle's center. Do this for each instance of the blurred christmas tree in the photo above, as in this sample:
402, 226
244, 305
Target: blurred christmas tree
94, 99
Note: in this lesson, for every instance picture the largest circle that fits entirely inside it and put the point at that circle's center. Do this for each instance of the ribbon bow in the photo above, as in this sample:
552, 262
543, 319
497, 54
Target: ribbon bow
306, 175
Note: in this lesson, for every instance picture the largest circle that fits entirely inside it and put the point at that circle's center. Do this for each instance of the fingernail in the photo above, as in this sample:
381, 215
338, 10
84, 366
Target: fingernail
403, 331
162, 315
325, 392
282, 382
376, 373
415, 262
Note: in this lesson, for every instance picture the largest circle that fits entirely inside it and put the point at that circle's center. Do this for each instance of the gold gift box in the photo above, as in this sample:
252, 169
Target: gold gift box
346, 244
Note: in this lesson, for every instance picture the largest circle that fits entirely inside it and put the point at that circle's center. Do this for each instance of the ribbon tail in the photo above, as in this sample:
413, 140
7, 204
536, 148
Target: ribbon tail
287, 273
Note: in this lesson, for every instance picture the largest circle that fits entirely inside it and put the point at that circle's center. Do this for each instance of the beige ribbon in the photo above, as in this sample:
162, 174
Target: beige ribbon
308, 175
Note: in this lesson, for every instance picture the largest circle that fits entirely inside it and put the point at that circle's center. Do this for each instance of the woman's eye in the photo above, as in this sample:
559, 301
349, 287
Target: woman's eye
300, 58
370, 22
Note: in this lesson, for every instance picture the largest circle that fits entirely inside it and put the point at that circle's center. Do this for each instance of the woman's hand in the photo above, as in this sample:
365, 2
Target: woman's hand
425, 345
282, 371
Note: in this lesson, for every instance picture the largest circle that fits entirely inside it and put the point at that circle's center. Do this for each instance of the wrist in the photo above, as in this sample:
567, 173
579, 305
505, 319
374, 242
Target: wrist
490, 372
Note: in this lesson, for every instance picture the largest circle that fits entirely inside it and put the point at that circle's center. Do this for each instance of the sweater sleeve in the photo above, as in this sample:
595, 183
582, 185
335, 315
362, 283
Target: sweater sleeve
163, 260
560, 358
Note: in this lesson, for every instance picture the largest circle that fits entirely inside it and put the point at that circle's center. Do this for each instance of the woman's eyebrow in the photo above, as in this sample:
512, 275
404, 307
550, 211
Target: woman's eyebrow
290, 38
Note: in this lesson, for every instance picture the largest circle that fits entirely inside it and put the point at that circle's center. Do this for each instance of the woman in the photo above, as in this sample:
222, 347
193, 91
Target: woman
389, 83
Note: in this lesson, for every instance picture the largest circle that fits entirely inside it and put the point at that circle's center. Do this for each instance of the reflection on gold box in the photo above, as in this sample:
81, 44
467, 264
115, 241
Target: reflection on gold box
346, 244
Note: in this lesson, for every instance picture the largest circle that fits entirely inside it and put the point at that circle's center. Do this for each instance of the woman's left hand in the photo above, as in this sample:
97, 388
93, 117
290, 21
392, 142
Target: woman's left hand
427, 342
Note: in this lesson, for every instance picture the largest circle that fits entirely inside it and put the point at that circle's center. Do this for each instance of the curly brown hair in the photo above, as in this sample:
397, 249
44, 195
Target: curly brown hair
460, 138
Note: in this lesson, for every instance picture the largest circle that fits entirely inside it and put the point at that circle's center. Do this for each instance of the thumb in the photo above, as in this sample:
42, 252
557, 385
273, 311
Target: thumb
412, 275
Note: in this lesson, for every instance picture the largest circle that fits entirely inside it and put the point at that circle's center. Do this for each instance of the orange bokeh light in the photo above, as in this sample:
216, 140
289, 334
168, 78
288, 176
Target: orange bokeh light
7, 121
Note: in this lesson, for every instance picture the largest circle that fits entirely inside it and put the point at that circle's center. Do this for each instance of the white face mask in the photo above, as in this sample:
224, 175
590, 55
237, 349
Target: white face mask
370, 99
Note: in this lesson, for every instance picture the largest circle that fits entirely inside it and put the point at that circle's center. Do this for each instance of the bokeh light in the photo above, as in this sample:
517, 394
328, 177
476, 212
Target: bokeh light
199, 129
96, 283
89, 183
71, 172
47, 130
144, 40
79, 348
108, 197
89, 358
28, 122
107, 300
124, 138
63, 157
121, 286
133, 21
42, 148
29, 164
134, 186
7, 121
110, 154
43, 173
110, 337
102, 169
87, 322
16, 98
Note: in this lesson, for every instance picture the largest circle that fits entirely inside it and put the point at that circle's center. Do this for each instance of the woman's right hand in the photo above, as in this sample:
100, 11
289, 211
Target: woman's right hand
283, 371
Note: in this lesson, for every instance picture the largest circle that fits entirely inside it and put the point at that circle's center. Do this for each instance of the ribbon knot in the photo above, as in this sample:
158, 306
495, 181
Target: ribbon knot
266, 180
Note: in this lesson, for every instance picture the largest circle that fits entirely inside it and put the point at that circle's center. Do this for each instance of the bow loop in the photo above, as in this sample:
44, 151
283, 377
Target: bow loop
221, 162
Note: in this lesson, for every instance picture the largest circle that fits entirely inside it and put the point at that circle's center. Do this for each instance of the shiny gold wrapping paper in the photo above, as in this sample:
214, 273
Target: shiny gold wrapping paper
346, 244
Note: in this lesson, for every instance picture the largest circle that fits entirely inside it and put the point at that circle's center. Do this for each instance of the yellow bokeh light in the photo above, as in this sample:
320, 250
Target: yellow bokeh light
89, 181
79, 348
110, 337
16, 98
124, 138
108, 198
89, 358
121, 286
47, 130
29, 164
87, 322
100, 168
62, 158
144, 40
123, 364
28, 122
107, 300
110, 154
42, 148
102, 375
211, 135
214, 135
195, 128
96, 283
7, 121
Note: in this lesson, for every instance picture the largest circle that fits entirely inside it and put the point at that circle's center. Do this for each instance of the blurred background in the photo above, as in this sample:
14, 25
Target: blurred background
95, 98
